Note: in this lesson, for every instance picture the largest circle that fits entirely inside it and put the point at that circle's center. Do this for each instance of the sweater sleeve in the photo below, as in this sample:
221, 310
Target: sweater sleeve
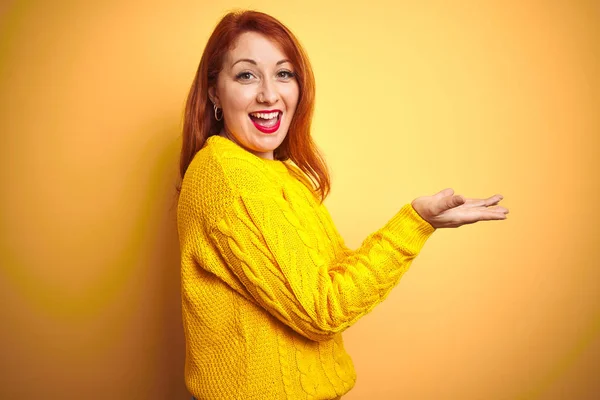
264, 242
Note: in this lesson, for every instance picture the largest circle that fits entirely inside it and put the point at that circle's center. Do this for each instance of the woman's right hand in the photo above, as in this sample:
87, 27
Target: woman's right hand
447, 210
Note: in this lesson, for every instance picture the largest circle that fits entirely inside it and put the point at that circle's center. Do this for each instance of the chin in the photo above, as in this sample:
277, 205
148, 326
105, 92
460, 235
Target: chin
270, 141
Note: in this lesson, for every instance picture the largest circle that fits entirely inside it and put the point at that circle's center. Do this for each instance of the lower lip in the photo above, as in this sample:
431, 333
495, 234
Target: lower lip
268, 130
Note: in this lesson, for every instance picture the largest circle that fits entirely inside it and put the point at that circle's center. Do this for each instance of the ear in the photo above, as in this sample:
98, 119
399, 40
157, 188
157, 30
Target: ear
213, 96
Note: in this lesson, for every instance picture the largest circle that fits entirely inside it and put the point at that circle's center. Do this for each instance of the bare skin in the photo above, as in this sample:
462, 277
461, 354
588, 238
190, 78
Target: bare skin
447, 210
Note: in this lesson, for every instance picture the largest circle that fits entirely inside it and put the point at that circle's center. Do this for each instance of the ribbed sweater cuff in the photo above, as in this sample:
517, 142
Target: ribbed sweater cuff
411, 229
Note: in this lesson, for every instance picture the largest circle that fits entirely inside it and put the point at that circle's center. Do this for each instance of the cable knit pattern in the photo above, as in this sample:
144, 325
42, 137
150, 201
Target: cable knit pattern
268, 285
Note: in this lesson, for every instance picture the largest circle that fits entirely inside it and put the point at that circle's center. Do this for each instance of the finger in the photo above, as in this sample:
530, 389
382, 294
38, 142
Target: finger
491, 216
490, 201
445, 192
499, 209
495, 199
451, 202
459, 200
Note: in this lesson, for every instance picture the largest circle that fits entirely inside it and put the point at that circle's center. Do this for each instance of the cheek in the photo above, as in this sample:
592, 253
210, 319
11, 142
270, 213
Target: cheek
239, 100
291, 96
243, 98
294, 106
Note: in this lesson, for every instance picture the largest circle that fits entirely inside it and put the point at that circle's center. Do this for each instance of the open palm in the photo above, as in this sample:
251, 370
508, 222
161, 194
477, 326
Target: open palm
447, 210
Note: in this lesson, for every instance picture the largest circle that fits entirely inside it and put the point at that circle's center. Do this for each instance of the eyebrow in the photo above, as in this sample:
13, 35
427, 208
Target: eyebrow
254, 62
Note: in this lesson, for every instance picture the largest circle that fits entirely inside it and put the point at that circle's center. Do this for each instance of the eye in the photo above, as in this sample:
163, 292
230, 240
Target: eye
244, 76
287, 74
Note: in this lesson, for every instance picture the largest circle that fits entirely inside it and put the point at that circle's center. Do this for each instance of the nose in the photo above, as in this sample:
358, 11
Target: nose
267, 93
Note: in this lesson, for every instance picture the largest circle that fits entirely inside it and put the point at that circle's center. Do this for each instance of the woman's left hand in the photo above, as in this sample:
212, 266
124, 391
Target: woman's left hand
446, 210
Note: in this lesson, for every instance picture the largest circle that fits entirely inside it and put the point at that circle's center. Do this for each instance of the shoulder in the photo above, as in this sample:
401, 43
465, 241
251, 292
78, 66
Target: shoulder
204, 189
219, 174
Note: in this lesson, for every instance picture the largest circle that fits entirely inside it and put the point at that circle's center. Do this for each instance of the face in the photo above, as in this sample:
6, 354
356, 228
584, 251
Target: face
256, 77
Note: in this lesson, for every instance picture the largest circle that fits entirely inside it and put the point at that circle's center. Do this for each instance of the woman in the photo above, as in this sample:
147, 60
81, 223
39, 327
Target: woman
268, 285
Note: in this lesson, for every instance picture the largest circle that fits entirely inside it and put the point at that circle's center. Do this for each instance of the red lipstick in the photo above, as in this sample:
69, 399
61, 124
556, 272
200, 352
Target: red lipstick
265, 129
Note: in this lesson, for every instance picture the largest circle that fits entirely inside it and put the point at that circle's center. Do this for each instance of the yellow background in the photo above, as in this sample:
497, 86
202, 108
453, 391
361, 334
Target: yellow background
412, 97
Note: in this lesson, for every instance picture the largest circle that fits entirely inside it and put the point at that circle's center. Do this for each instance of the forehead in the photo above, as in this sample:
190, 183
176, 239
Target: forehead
257, 47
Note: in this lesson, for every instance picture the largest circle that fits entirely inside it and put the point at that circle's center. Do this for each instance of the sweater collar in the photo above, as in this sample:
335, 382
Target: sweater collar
276, 165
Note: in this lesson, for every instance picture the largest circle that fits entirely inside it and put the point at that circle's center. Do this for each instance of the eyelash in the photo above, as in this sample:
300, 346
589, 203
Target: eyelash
289, 73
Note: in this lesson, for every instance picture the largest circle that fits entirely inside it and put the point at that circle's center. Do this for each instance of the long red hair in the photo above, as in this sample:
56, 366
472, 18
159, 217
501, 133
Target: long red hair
199, 121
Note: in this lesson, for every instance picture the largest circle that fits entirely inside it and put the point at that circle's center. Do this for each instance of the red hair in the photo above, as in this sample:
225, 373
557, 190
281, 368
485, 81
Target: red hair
199, 122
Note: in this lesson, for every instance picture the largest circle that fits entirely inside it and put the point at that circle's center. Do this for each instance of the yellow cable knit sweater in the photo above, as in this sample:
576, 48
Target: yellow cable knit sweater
268, 285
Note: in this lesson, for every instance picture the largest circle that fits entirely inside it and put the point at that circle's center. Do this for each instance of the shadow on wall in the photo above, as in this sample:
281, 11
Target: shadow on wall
156, 331
163, 294
104, 319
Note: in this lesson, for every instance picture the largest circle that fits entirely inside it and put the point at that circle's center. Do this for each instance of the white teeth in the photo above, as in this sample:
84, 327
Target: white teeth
265, 116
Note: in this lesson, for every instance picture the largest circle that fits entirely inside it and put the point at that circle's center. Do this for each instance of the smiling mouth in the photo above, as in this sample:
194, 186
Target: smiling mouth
266, 125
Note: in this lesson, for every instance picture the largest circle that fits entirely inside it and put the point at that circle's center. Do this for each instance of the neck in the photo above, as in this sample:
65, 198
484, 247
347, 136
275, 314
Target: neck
266, 156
